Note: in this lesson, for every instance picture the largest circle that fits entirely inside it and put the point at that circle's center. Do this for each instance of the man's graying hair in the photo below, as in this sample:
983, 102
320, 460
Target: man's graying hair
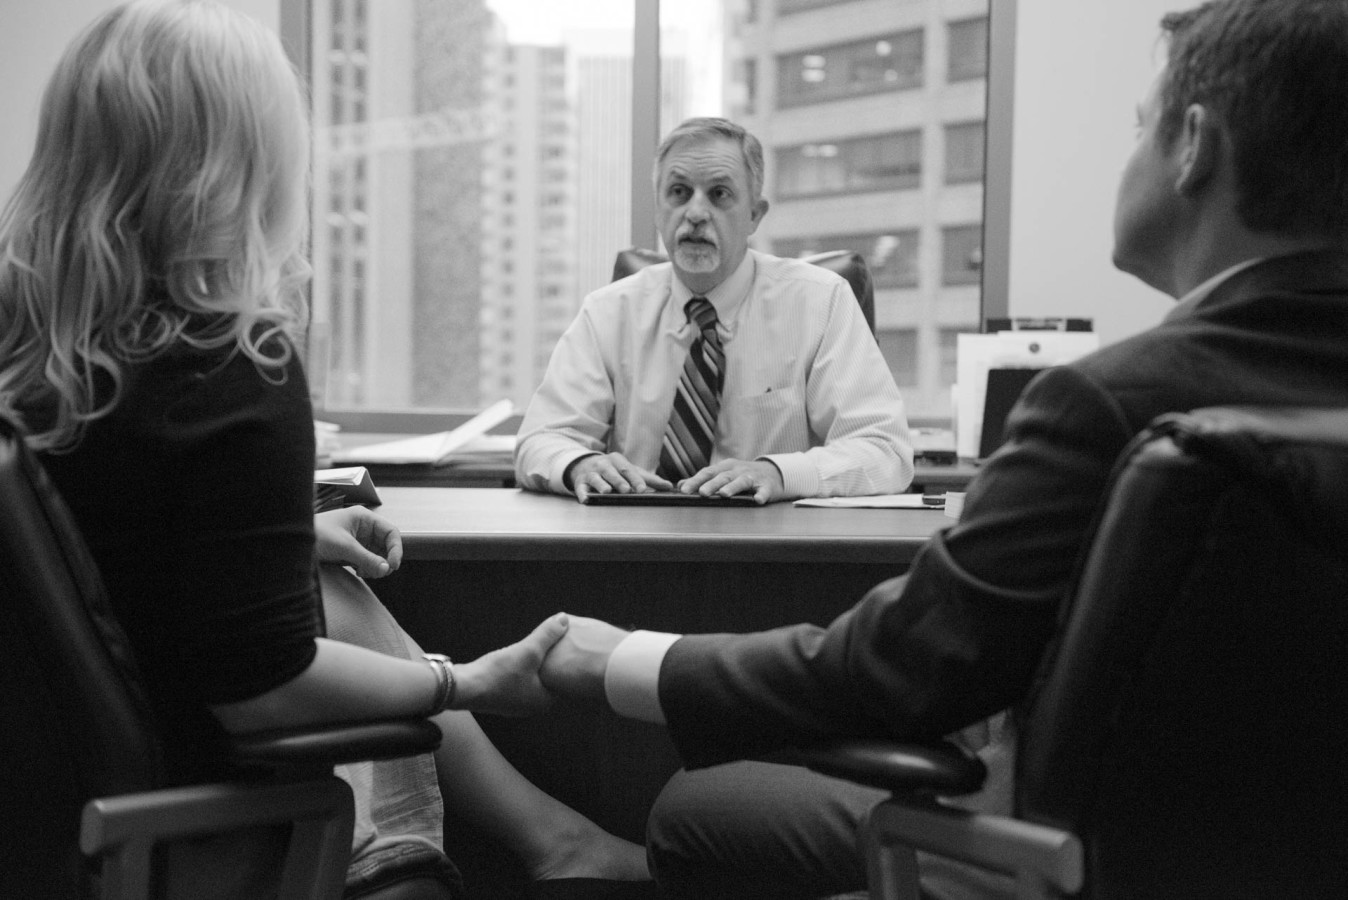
713, 128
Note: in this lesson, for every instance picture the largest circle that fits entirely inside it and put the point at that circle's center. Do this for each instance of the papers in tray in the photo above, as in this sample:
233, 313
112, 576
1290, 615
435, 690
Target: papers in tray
437, 449
335, 488
876, 501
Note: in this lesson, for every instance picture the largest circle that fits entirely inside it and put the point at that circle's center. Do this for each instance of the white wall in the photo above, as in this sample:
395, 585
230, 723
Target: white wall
1082, 66
33, 35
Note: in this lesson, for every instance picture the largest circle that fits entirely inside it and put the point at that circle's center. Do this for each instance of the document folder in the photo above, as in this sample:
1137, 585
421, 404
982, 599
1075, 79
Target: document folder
427, 449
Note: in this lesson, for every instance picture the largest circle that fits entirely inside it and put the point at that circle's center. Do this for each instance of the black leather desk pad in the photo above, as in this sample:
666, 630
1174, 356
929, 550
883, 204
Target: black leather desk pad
667, 498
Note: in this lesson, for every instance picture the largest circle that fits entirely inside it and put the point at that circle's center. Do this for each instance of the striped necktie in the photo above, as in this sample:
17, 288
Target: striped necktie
686, 448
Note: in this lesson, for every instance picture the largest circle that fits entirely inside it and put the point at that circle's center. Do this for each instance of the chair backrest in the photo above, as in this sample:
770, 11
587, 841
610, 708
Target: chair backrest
1191, 726
76, 722
846, 263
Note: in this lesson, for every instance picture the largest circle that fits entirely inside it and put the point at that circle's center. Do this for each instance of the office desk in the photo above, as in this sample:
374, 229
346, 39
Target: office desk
510, 524
500, 472
483, 566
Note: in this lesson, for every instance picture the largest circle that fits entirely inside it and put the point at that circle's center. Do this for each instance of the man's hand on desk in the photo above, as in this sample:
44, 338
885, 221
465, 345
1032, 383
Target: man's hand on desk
358, 538
737, 476
603, 473
575, 665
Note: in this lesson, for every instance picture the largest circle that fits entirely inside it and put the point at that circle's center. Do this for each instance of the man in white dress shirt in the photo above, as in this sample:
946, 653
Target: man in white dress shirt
808, 408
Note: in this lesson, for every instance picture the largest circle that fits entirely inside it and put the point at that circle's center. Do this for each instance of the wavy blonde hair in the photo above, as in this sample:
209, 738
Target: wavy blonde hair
165, 204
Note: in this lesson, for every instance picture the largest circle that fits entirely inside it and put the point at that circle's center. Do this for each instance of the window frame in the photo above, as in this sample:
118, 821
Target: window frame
954, 75
787, 98
853, 154
859, 242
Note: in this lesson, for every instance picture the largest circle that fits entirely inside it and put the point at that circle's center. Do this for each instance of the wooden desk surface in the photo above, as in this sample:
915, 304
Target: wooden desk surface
511, 524
500, 472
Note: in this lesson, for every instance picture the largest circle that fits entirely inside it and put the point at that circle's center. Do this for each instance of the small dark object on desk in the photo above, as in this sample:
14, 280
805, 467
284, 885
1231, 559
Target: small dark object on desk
936, 457
667, 498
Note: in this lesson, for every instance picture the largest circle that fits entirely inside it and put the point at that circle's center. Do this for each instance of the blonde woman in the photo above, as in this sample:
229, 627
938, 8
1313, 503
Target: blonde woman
150, 286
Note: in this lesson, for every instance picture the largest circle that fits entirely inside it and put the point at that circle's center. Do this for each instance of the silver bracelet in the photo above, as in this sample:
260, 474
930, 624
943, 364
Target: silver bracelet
446, 687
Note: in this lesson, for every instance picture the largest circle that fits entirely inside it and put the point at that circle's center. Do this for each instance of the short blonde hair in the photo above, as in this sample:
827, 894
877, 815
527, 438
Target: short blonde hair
165, 203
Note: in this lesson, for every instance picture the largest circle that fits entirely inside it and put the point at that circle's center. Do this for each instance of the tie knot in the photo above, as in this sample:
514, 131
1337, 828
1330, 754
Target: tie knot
701, 313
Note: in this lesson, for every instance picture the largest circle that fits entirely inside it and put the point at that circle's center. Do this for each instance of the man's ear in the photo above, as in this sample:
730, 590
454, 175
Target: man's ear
760, 209
1200, 149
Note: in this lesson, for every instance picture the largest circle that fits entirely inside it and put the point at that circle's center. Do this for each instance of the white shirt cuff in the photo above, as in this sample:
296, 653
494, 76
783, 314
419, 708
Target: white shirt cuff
632, 676
557, 480
799, 476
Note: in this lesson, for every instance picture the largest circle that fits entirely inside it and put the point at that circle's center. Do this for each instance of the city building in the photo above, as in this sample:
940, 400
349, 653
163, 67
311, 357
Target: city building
871, 114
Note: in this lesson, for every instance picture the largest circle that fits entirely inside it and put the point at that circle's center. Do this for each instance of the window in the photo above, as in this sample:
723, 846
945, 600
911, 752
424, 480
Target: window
746, 87
961, 254
891, 257
899, 348
964, 152
882, 162
476, 144
967, 46
887, 62
422, 246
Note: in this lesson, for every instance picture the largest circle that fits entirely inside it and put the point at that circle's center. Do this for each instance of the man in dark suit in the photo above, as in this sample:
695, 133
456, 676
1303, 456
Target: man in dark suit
1235, 202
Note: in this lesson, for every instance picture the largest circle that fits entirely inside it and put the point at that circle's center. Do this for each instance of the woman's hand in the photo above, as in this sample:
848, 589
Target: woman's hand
356, 537
506, 681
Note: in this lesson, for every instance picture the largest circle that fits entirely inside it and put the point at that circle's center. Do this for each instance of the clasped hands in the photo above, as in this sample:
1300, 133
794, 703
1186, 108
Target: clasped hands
563, 656
604, 473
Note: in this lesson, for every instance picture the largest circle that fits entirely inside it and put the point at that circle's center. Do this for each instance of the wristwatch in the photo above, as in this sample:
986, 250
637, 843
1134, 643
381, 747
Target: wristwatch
446, 687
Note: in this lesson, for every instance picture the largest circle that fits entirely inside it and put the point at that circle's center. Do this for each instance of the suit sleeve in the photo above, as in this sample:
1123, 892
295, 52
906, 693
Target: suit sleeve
956, 639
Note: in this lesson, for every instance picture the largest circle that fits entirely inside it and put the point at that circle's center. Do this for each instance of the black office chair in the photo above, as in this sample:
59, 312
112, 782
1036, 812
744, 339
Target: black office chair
1188, 736
849, 265
86, 806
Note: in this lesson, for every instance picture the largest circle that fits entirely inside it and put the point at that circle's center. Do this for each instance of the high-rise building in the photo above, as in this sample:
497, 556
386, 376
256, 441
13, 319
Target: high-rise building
400, 126
469, 192
871, 115
528, 215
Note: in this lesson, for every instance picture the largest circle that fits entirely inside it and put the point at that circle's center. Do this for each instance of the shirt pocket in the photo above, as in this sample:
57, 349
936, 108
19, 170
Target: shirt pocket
764, 378
771, 421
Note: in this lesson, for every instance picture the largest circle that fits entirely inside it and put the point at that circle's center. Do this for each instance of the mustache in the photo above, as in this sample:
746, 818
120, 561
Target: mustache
698, 235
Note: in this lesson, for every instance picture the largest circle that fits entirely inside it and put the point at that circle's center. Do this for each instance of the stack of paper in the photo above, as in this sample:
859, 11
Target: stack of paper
437, 449
876, 501
335, 488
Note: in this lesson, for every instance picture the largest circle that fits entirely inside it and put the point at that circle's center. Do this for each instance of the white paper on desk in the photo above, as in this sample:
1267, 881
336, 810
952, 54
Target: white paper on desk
428, 449
976, 353
485, 448
875, 501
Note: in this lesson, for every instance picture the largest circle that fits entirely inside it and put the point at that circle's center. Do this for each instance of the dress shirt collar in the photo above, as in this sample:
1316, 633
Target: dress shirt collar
727, 297
1189, 302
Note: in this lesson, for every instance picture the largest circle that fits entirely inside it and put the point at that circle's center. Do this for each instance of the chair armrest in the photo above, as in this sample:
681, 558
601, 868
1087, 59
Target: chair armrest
168, 813
336, 744
903, 768
1046, 862
125, 830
